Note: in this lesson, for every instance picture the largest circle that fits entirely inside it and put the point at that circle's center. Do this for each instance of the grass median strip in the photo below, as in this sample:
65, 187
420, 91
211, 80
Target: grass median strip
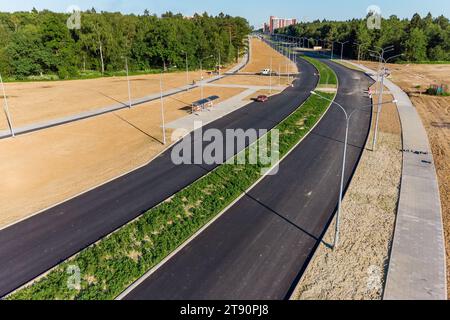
108, 267
327, 75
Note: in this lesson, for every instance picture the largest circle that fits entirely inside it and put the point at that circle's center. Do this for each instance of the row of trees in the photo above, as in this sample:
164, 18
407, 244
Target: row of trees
420, 39
36, 43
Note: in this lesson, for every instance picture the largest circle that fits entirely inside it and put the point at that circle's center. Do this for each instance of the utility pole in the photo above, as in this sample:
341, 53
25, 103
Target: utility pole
6, 108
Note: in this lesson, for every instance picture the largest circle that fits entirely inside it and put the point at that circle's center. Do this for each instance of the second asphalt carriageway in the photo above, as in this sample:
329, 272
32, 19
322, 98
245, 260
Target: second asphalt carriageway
260, 247
35, 245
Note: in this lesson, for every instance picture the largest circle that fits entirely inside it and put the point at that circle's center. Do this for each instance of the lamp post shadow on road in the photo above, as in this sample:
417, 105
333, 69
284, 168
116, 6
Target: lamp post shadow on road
348, 117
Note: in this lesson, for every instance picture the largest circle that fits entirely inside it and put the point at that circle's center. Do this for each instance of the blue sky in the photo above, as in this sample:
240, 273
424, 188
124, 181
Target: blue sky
256, 11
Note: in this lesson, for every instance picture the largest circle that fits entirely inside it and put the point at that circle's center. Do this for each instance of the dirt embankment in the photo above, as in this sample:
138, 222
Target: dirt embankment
356, 269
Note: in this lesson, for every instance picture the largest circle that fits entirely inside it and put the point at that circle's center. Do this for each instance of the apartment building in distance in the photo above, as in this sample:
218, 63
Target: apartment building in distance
276, 23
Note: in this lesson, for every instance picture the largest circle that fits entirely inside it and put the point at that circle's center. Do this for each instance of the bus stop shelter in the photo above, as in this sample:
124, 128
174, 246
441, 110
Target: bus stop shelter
203, 104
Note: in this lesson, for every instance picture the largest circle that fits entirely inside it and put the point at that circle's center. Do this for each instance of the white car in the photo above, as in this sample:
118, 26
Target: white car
265, 72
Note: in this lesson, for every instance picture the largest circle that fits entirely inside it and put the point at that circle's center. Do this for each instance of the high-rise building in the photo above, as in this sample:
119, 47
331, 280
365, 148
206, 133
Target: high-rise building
276, 23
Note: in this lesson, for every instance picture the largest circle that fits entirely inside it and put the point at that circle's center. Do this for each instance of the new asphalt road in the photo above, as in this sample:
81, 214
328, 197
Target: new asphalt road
261, 245
33, 246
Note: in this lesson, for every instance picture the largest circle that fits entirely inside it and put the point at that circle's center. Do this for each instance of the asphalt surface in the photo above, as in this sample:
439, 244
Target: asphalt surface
260, 247
33, 246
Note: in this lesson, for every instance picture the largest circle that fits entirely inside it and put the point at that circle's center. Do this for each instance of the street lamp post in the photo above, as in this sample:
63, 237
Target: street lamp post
380, 96
128, 81
288, 67
279, 73
187, 68
332, 50
162, 108
380, 57
201, 74
344, 158
6, 108
342, 48
220, 61
359, 51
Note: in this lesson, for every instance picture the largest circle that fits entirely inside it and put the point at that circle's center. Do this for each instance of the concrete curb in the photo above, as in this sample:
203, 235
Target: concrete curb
417, 267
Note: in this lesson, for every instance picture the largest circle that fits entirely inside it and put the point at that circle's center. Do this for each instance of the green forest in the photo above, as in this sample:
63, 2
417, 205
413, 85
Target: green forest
37, 44
420, 39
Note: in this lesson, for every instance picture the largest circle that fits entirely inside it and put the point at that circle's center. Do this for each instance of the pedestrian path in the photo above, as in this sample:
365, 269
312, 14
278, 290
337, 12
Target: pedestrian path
417, 268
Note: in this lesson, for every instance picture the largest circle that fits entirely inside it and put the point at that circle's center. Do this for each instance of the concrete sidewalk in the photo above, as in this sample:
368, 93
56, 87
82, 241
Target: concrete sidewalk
417, 269
186, 124
118, 106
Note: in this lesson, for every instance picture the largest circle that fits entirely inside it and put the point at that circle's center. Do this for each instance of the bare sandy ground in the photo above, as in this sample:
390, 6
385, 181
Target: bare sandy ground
32, 102
262, 54
357, 268
435, 114
49, 166
410, 76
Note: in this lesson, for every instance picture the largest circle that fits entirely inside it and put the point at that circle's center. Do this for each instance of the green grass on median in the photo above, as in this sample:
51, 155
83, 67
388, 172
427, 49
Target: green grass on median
327, 75
115, 262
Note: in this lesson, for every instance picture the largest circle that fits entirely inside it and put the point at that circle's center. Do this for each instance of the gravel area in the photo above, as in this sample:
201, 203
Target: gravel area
357, 268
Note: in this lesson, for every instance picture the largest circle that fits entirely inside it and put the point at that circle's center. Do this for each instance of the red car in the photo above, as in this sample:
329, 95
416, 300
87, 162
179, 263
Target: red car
262, 98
